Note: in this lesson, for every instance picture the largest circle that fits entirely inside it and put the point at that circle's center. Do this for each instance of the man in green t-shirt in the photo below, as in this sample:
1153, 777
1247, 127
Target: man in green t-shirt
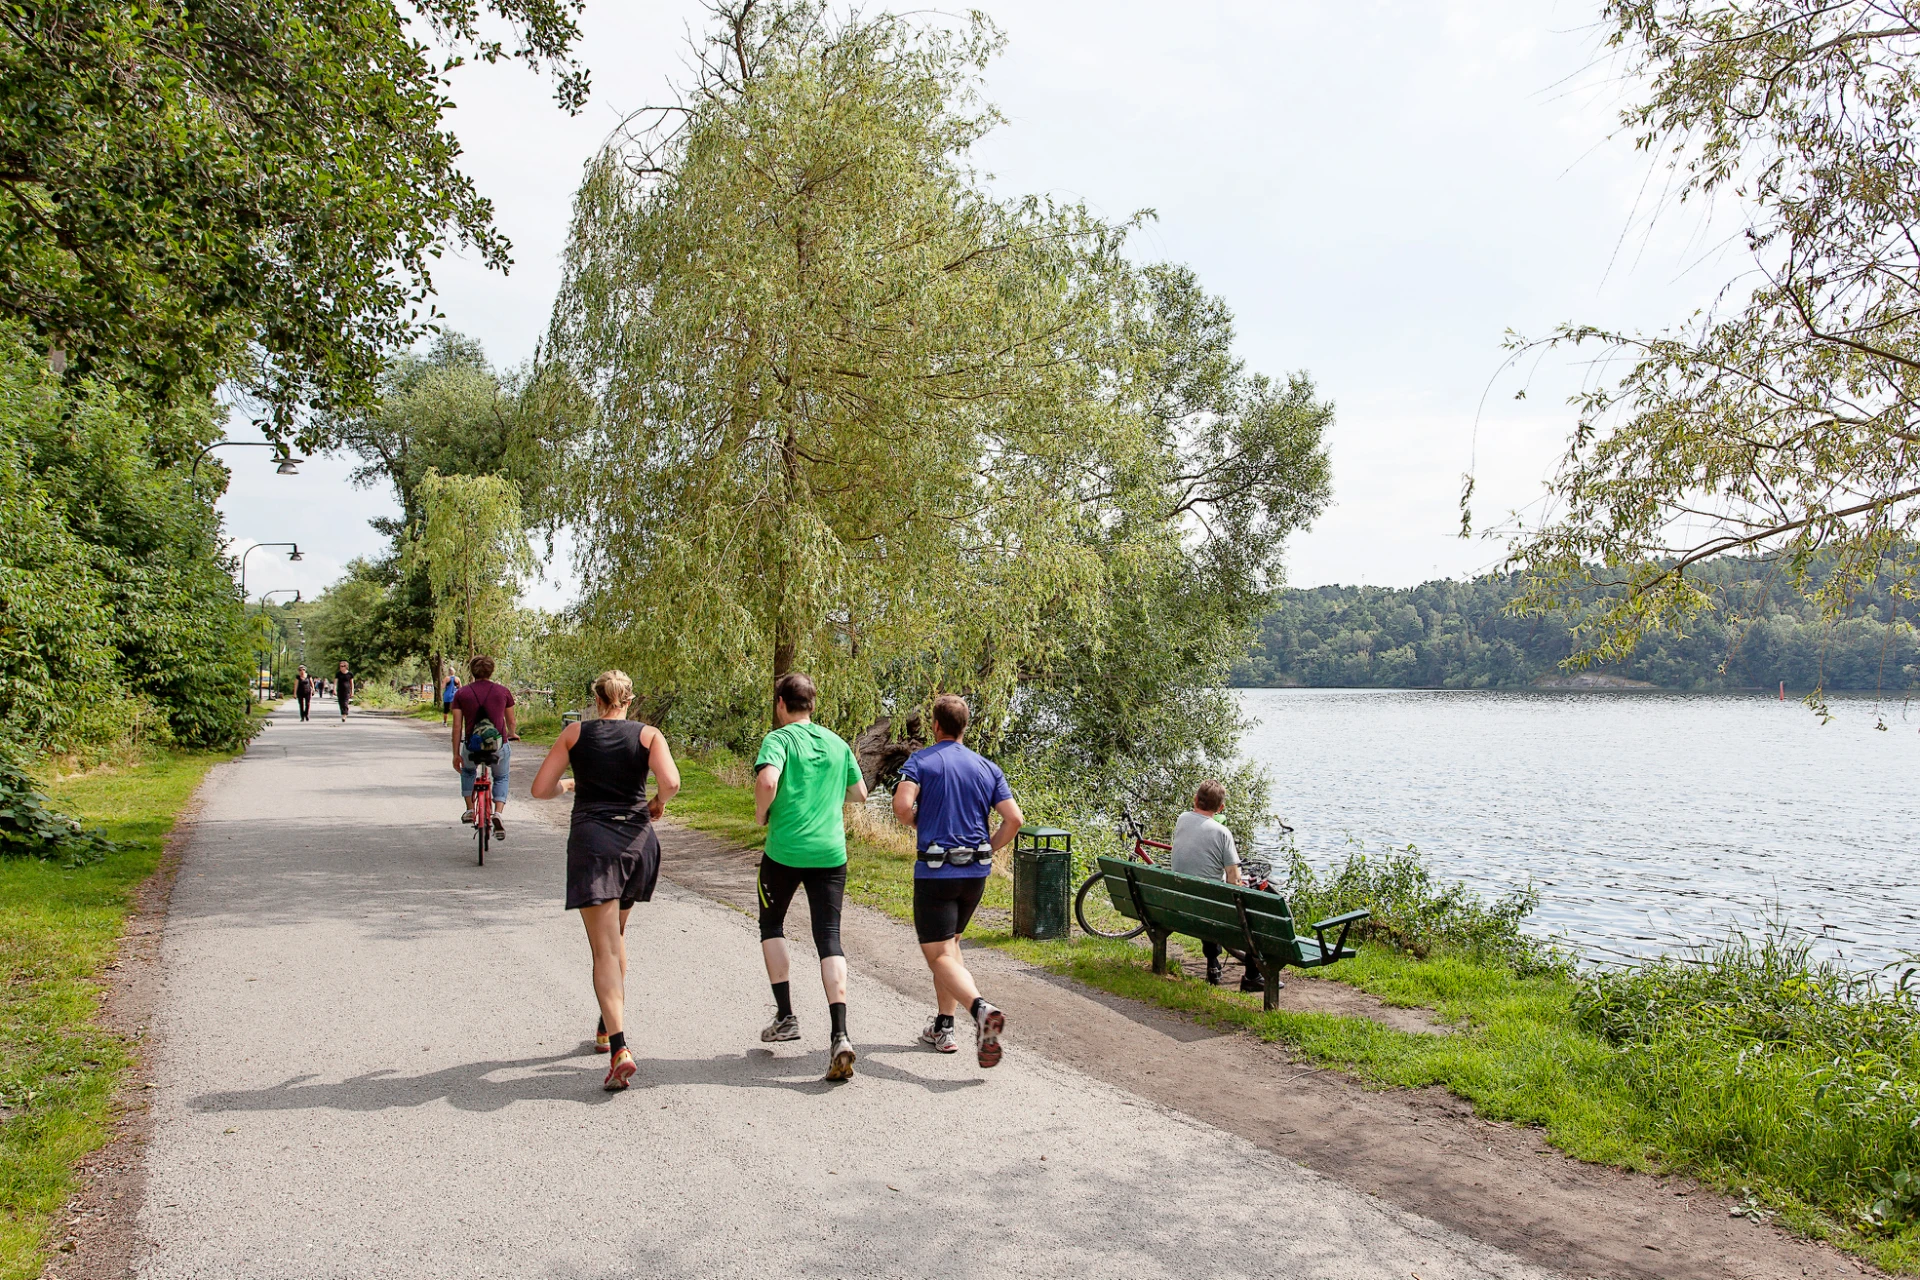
802, 777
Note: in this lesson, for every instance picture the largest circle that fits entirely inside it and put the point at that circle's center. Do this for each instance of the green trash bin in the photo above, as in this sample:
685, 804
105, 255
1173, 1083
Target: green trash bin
1042, 882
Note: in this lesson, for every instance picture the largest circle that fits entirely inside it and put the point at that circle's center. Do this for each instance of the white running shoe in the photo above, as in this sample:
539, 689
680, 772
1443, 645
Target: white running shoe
987, 1026
941, 1038
787, 1028
840, 1062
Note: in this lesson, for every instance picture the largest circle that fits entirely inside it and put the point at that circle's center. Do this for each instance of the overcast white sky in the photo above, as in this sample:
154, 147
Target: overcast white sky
1380, 190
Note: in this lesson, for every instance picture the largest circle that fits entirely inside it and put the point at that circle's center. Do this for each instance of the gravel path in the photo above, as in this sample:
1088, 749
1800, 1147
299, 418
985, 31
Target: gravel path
374, 1059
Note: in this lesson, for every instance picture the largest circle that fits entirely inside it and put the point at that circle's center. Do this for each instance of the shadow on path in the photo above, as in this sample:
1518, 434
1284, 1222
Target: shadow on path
471, 1087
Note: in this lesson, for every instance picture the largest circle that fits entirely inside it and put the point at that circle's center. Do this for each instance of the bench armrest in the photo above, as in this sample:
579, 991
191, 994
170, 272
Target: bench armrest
1345, 922
1348, 918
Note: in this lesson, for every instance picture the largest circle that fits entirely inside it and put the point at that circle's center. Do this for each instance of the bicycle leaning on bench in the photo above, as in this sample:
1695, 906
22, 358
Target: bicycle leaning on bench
1093, 907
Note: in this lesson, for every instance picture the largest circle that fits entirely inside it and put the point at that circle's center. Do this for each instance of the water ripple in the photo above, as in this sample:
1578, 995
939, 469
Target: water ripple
1649, 821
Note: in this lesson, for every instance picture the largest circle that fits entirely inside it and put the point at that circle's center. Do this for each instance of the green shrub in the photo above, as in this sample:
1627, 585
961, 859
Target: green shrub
1416, 914
118, 620
30, 829
1795, 1073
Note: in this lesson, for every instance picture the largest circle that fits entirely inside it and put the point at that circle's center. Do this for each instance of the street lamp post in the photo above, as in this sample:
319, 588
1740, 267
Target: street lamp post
291, 555
273, 654
289, 465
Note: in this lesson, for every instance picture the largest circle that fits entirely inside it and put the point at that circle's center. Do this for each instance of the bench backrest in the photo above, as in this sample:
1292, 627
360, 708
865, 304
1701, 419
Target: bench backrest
1203, 908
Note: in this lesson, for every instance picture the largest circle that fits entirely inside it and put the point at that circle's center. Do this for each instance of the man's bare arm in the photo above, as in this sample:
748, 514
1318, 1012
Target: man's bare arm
765, 784
1011, 820
904, 794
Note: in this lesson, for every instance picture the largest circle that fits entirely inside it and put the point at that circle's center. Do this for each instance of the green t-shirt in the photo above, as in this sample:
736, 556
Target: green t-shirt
804, 824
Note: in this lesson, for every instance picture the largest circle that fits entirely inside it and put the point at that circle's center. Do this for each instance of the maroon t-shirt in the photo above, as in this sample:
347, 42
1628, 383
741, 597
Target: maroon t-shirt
483, 698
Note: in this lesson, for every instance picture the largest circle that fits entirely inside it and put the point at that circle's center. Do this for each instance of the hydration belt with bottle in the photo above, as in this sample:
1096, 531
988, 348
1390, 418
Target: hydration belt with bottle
962, 856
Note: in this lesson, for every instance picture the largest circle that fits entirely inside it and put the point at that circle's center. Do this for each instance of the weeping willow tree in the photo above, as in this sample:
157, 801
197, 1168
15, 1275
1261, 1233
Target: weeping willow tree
474, 548
1781, 423
858, 416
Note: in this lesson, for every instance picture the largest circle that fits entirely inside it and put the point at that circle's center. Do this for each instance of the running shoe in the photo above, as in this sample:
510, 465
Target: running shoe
987, 1026
781, 1028
499, 830
602, 1042
620, 1070
467, 817
840, 1064
941, 1038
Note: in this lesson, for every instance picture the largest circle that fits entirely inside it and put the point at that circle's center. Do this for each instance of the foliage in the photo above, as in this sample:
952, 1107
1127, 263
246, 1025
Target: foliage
1803, 1076
29, 829
1418, 916
1455, 634
117, 615
1784, 420
475, 553
447, 412
250, 188
858, 416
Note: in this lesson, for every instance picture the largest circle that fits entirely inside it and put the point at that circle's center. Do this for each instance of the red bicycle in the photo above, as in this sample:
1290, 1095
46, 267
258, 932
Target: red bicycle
1093, 905
482, 804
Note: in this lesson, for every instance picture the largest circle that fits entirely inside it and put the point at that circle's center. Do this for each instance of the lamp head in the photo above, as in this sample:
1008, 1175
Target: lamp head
289, 465
295, 554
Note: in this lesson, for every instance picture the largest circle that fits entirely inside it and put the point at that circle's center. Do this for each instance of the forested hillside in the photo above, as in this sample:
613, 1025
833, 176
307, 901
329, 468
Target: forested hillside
1451, 634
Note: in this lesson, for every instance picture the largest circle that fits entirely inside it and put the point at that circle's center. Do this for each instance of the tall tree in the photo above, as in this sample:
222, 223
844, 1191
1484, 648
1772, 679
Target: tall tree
837, 395
1784, 421
857, 415
249, 189
475, 553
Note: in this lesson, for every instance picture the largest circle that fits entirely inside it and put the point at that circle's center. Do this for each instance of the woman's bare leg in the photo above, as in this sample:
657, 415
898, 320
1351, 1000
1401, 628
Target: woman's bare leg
604, 935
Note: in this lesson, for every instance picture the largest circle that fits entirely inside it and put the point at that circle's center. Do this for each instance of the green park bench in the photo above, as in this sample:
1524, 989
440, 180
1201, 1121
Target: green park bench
1253, 920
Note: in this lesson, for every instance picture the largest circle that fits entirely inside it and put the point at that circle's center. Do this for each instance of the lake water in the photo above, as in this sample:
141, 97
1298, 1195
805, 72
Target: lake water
1648, 821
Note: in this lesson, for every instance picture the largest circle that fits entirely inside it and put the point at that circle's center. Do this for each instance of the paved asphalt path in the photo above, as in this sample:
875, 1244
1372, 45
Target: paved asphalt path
375, 1060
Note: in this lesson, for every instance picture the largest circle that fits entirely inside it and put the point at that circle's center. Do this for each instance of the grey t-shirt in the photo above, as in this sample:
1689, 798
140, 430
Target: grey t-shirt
1202, 846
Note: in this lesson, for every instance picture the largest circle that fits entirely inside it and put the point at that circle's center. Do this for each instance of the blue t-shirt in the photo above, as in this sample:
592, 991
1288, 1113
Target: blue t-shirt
446, 694
958, 789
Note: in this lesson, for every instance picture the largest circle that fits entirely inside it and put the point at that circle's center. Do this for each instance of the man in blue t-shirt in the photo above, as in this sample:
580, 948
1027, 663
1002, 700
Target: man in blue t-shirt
956, 790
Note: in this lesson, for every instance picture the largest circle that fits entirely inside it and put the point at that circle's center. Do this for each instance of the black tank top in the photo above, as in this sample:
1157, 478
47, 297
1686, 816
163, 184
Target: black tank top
610, 767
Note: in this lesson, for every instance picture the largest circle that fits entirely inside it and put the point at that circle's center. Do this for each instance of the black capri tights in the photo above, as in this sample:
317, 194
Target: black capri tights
826, 890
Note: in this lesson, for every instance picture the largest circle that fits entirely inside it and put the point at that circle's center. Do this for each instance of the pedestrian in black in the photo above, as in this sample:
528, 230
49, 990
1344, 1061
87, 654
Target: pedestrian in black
303, 690
343, 689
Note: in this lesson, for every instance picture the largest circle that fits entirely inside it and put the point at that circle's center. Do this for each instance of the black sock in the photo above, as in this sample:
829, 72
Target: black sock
782, 1000
617, 1041
943, 1020
974, 1008
838, 1012
600, 1027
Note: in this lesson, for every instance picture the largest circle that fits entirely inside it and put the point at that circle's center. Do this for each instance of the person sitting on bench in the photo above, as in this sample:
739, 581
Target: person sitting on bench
1202, 846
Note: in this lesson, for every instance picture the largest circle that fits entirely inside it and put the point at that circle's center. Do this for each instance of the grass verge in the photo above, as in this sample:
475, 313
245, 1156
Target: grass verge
1750, 1067
58, 931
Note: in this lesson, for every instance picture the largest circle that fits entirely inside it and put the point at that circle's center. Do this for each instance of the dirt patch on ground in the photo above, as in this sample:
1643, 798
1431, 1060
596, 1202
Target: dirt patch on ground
98, 1230
1422, 1150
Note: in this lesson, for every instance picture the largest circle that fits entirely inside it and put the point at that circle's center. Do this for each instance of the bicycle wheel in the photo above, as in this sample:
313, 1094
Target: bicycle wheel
1093, 908
482, 823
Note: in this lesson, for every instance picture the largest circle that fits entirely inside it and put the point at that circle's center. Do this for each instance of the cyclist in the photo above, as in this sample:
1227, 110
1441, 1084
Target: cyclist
803, 776
478, 702
303, 690
1202, 846
613, 855
343, 689
956, 790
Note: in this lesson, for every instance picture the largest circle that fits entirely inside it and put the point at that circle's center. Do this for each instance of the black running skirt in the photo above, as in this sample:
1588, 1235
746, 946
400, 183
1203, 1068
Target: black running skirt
611, 856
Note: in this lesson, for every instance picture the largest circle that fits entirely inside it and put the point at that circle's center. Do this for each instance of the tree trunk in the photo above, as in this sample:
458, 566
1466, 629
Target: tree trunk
783, 645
